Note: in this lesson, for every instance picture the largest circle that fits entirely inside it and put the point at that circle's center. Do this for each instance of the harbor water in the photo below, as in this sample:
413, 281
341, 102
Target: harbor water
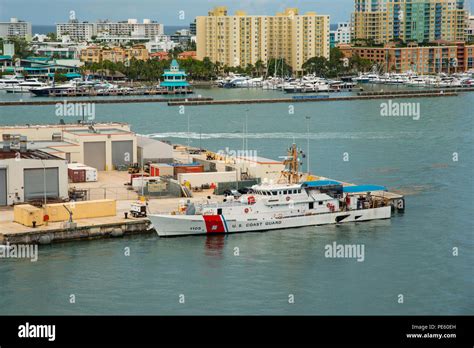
425, 254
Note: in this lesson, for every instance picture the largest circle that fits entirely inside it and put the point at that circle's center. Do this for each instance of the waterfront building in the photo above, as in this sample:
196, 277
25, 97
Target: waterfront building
382, 21
104, 146
444, 57
243, 39
44, 67
30, 175
15, 28
107, 30
175, 79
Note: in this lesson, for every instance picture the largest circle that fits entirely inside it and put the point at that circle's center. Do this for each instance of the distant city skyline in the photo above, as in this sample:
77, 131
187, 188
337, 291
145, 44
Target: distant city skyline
50, 12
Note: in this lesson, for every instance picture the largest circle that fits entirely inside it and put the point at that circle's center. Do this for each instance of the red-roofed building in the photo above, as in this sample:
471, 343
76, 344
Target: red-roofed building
187, 55
159, 55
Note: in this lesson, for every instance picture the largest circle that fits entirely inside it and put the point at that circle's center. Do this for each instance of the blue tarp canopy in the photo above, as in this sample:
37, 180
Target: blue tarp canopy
363, 188
320, 183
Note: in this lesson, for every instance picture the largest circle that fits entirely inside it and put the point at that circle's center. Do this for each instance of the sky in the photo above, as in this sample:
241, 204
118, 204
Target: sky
163, 11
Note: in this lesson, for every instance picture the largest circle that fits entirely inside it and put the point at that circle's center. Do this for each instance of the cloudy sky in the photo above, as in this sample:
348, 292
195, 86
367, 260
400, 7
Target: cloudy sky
164, 11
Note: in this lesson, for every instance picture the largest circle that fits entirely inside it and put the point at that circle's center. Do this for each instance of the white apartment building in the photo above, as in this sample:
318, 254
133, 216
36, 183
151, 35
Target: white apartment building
15, 28
77, 31
148, 29
84, 31
343, 33
161, 43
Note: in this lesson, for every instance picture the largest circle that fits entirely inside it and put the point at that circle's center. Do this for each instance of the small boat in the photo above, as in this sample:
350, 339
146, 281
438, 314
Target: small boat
288, 204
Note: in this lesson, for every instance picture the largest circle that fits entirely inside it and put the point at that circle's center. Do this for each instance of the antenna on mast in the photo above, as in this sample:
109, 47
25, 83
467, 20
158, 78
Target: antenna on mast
291, 174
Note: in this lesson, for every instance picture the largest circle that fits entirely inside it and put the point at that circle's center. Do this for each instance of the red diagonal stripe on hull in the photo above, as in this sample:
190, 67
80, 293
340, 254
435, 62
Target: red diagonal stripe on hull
214, 224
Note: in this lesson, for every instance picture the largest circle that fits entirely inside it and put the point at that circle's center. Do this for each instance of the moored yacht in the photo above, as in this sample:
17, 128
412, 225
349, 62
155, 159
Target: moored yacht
25, 86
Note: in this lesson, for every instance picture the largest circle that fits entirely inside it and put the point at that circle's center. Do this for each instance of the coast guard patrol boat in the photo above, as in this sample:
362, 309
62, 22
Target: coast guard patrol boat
287, 204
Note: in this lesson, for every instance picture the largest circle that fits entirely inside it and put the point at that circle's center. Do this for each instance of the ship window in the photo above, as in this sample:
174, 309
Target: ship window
311, 205
274, 193
320, 202
285, 192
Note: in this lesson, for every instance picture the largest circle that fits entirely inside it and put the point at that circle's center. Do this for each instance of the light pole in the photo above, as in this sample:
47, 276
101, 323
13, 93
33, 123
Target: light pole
44, 184
308, 119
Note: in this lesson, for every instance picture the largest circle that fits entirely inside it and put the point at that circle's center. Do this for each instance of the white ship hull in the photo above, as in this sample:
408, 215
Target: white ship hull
182, 225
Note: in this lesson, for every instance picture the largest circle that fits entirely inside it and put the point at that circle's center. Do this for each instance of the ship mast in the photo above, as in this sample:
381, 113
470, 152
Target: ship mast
291, 174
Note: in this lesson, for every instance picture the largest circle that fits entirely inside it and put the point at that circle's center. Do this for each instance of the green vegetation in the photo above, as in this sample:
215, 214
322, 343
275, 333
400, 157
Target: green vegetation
337, 65
152, 70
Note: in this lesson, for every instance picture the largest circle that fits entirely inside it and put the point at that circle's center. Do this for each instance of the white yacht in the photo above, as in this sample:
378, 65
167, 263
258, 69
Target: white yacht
25, 86
10, 81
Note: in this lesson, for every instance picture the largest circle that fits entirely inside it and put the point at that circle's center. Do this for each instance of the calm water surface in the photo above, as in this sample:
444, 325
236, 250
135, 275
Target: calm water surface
412, 254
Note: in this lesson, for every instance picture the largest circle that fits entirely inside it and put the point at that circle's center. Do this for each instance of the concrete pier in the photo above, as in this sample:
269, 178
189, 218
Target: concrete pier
316, 98
46, 235
102, 101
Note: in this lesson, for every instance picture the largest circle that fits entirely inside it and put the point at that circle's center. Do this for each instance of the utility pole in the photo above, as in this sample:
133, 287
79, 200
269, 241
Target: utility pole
308, 119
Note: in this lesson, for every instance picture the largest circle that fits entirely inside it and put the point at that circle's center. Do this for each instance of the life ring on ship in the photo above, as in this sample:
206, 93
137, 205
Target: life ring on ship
246, 210
288, 198
251, 200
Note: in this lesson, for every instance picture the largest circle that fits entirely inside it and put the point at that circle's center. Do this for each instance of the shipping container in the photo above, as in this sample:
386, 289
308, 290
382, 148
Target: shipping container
188, 169
76, 175
90, 173
161, 169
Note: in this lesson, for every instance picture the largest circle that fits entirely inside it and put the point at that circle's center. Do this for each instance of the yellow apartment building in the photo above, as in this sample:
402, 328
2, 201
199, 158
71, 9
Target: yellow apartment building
241, 39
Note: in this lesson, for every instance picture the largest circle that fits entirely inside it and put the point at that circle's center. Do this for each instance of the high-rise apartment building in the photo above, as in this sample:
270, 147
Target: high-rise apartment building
382, 21
15, 29
84, 31
241, 39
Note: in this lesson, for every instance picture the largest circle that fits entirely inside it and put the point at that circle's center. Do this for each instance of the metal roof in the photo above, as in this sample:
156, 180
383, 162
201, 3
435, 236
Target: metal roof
363, 188
320, 183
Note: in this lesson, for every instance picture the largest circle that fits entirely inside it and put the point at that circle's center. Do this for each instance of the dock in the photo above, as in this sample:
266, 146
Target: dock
316, 98
104, 101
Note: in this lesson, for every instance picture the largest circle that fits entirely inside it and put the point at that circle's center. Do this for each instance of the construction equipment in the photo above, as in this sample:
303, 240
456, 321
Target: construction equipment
138, 209
211, 156
134, 168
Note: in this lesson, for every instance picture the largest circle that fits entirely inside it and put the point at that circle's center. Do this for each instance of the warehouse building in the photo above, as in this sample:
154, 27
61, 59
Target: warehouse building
31, 175
106, 146
152, 150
